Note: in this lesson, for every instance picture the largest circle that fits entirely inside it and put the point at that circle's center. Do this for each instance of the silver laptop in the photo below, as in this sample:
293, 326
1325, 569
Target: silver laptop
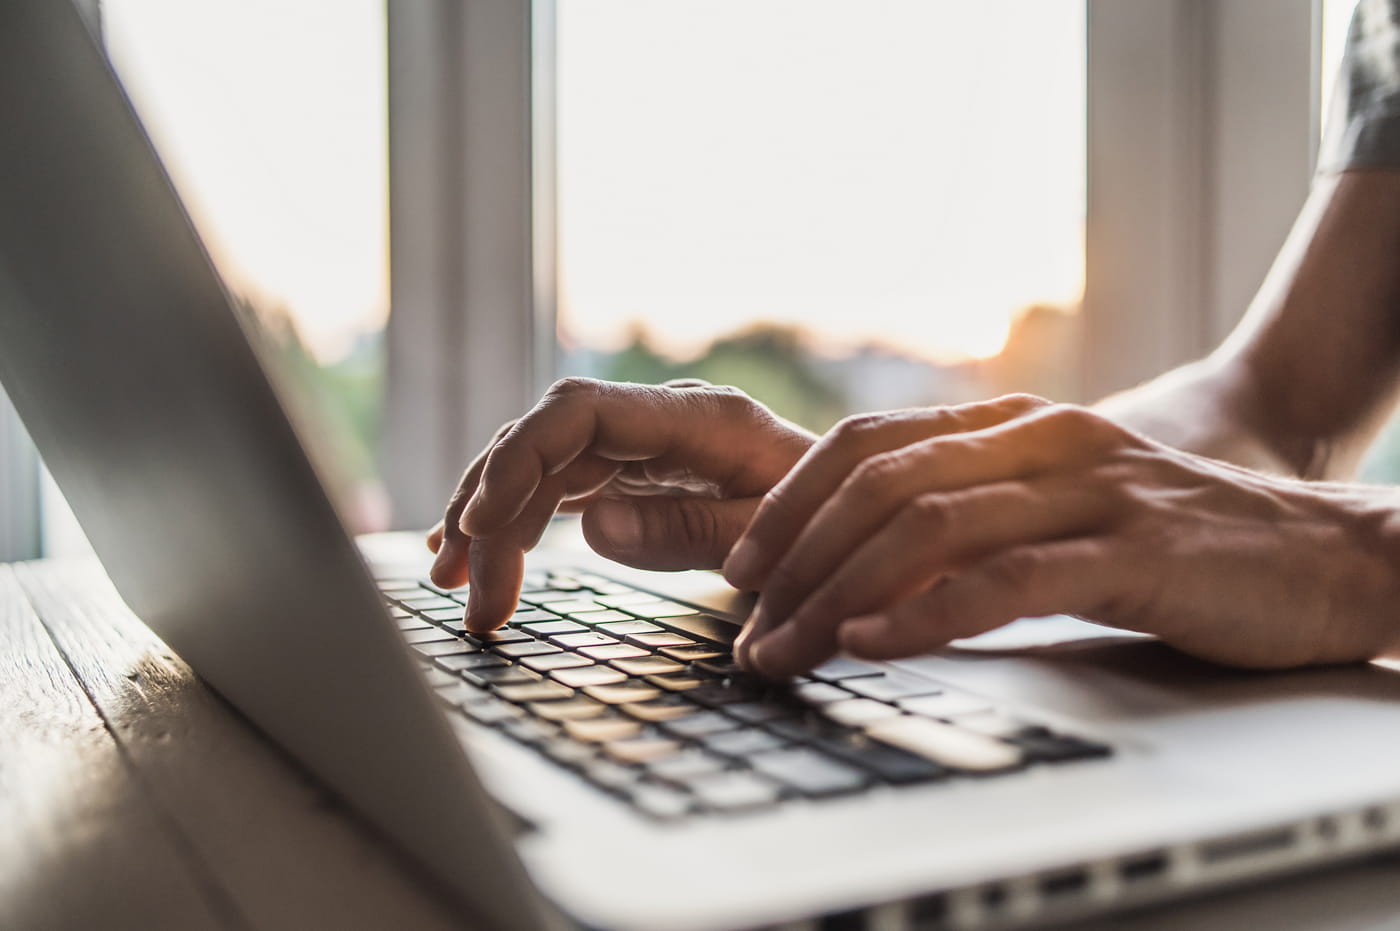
599, 764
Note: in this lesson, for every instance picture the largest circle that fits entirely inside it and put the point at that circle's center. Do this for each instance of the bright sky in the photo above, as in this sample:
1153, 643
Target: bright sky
270, 115
905, 170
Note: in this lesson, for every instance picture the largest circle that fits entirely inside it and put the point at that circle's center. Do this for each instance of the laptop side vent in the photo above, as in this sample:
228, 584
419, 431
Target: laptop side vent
1133, 880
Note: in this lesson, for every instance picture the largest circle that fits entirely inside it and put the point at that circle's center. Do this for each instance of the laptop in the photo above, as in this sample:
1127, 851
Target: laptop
599, 764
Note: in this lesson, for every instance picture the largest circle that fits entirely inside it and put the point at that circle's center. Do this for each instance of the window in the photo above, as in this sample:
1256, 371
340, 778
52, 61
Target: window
838, 206
270, 116
1179, 133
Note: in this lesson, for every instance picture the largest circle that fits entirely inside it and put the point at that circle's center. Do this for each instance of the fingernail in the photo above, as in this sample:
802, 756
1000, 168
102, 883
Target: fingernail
741, 563
619, 523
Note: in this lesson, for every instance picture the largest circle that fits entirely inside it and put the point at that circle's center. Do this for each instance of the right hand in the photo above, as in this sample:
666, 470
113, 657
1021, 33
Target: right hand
666, 477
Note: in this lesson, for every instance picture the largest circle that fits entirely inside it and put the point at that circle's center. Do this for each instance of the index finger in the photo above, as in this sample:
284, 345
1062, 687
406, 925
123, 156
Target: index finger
622, 422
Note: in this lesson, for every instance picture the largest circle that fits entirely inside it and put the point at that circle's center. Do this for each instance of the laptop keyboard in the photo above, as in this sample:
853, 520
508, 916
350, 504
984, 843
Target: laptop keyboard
640, 695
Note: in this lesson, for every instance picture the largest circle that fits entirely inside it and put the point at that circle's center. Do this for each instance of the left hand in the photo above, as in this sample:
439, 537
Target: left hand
900, 532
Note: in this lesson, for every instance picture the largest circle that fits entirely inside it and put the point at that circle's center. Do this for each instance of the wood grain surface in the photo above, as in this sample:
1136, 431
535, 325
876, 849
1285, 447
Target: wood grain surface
238, 827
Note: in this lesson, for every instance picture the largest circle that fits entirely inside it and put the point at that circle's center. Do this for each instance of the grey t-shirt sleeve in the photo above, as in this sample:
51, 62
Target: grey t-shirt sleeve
1363, 123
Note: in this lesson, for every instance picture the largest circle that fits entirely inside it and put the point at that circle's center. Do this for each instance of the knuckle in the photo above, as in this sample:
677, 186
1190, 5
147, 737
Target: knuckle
573, 386
875, 474
1020, 402
857, 428
1016, 571
931, 514
1079, 426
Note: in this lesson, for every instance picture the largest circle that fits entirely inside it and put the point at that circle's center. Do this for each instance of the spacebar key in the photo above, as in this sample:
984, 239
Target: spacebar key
703, 626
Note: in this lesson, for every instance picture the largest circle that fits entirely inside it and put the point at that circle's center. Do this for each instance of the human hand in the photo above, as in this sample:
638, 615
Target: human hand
900, 532
666, 477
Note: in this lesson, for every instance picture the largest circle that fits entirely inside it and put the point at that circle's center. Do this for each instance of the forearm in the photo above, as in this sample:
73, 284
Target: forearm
1309, 377
1205, 408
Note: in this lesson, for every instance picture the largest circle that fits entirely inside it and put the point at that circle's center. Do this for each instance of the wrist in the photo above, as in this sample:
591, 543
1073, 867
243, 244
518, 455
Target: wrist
1366, 606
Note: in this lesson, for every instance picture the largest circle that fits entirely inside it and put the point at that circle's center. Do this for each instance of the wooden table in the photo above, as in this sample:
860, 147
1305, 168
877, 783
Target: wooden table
133, 796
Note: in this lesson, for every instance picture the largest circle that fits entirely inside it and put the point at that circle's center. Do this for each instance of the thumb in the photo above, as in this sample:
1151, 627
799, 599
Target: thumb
666, 532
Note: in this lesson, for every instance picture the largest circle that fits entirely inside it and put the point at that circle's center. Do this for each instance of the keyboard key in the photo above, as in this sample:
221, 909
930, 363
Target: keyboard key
437, 678
598, 730
857, 711
588, 675
996, 724
389, 586
550, 661
611, 776
526, 648
428, 635
625, 598
842, 668
503, 675
808, 772
700, 725
891, 686
621, 694
743, 742
1056, 748
456, 691
591, 618
706, 627
458, 662
570, 753
947, 745
665, 708
527, 730
734, 791
444, 648
491, 712
693, 653
588, 638
623, 628
947, 705
757, 712
570, 709
820, 693
548, 596
661, 639
686, 765
532, 616
612, 651
453, 613
427, 601
806, 729
659, 802
716, 694
497, 637
679, 682
658, 609
411, 623
640, 749
577, 606
890, 764
534, 691
725, 667
646, 666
